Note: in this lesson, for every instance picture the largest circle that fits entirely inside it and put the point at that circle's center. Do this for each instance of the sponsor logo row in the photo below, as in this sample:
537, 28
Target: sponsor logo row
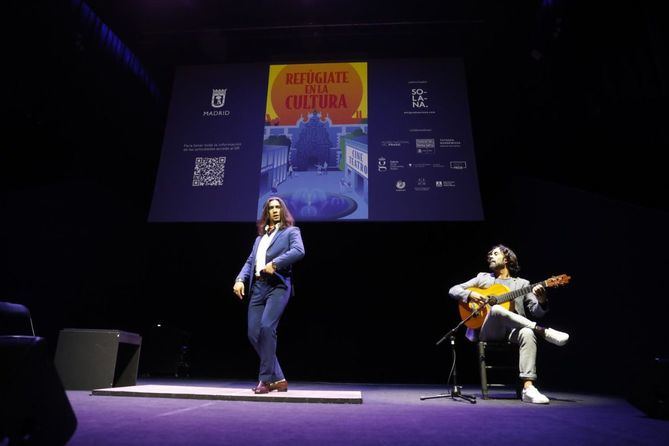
423, 185
384, 165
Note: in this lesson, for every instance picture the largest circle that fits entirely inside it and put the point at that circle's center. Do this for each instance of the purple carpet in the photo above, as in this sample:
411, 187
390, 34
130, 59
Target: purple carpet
389, 415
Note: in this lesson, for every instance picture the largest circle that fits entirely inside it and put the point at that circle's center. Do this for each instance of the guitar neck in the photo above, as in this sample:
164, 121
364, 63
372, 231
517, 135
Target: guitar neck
516, 293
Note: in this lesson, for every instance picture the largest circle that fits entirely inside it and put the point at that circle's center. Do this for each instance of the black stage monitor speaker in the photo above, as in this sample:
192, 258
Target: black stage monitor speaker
89, 359
34, 409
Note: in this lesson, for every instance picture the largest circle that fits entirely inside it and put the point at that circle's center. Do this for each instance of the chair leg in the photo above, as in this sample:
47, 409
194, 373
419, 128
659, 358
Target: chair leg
484, 348
482, 370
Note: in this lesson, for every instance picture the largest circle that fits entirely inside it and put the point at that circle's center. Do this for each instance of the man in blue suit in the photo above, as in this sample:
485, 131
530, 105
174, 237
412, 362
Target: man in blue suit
269, 273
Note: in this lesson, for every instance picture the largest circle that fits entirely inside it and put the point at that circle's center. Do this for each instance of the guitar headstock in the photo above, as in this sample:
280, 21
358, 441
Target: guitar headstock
560, 280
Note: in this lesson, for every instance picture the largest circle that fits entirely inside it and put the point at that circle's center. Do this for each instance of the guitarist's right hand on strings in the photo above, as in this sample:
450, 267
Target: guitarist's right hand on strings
476, 298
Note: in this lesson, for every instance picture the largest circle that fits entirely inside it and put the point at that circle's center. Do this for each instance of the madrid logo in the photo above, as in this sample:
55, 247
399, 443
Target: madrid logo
217, 101
218, 97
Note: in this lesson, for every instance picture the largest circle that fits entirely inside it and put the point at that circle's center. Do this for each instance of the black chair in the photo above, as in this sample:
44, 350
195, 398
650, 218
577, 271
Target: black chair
498, 361
15, 320
34, 408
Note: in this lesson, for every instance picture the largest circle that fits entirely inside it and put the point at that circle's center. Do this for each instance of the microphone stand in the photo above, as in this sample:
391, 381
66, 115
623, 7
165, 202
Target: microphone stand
455, 389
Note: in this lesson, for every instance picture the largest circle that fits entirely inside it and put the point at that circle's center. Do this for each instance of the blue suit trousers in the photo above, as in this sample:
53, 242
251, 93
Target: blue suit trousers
268, 301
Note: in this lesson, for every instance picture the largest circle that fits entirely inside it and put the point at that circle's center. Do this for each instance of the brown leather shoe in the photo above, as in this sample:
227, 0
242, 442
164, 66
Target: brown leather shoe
279, 386
262, 387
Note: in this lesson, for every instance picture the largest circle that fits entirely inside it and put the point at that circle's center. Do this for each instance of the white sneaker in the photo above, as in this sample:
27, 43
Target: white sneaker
556, 337
532, 395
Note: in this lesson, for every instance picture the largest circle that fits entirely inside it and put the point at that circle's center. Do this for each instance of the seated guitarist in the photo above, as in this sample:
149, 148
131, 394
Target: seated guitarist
502, 324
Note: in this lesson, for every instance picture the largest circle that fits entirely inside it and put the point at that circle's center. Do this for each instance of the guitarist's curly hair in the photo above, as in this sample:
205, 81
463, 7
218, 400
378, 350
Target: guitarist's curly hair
511, 258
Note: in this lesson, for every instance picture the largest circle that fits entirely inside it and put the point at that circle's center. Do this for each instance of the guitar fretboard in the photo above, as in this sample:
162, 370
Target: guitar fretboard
516, 293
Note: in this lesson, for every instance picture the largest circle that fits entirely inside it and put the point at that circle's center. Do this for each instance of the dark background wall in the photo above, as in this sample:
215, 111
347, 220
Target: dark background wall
569, 115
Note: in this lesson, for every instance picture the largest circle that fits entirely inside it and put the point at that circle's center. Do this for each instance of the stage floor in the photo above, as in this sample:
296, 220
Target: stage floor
233, 394
391, 414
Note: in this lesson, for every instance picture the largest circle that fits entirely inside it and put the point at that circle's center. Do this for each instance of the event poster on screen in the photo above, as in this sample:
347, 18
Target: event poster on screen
381, 140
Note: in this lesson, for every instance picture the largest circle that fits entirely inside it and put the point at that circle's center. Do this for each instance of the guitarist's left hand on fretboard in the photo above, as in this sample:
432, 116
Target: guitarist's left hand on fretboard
540, 292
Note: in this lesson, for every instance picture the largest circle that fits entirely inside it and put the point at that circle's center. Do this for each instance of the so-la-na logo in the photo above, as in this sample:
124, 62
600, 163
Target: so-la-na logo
217, 101
218, 97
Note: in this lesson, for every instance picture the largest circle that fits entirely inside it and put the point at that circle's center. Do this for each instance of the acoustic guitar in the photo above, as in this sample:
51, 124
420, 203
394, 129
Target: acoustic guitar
499, 294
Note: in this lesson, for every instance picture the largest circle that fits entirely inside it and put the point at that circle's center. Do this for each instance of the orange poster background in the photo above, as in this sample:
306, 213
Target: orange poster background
336, 90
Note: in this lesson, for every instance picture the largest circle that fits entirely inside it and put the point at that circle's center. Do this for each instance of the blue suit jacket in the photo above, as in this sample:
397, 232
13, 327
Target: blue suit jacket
285, 249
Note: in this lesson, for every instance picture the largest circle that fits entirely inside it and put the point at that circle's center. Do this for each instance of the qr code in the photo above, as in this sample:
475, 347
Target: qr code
209, 171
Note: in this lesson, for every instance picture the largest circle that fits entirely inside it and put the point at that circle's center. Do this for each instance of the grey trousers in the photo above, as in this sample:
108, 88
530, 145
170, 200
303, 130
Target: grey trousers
504, 325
